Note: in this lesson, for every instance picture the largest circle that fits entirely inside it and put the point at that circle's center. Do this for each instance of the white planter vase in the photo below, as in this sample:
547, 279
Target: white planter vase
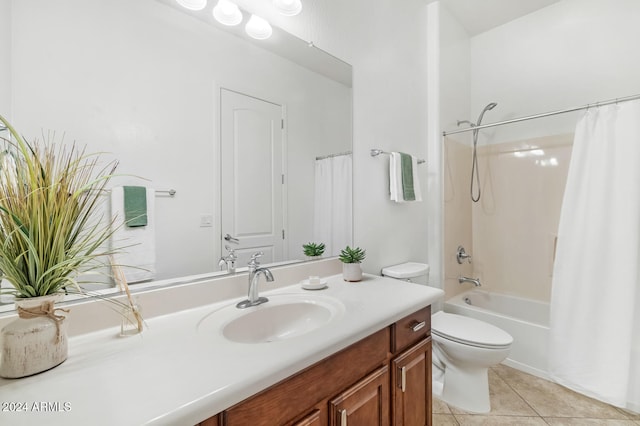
34, 342
351, 272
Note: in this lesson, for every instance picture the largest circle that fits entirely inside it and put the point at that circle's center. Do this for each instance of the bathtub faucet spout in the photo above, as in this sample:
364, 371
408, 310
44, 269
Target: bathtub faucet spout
474, 281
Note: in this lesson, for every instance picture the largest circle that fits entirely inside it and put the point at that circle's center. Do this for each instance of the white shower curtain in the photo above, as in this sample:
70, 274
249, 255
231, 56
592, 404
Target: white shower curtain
595, 302
332, 223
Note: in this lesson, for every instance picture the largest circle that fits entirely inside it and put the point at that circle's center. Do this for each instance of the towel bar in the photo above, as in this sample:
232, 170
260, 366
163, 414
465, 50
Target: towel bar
376, 152
171, 192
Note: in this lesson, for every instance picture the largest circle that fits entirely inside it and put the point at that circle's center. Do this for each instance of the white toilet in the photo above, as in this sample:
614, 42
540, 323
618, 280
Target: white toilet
463, 350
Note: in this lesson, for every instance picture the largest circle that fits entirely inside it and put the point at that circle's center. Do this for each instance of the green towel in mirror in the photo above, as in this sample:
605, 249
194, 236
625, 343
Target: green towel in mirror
406, 167
135, 206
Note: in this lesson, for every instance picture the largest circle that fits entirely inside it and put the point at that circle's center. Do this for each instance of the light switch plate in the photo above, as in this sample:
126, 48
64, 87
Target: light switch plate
206, 221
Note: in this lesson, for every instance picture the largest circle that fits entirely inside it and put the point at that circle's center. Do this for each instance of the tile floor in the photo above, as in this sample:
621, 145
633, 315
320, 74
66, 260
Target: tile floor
519, 398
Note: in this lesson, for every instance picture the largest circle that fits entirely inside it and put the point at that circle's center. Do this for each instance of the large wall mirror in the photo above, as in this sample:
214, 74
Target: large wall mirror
158, 88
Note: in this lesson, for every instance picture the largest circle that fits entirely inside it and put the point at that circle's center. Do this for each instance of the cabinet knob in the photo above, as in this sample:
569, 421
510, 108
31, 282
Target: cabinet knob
343, 417
403, 375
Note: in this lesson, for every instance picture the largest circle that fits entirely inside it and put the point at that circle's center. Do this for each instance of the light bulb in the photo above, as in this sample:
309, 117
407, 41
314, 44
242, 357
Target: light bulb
227, 13
258, 28
192, 4
288, 7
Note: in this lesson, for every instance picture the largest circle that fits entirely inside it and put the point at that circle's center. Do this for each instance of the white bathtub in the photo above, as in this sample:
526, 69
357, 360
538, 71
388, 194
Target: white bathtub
526, 320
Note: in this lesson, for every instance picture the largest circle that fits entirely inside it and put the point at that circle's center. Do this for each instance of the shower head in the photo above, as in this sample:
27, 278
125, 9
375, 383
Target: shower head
490, 106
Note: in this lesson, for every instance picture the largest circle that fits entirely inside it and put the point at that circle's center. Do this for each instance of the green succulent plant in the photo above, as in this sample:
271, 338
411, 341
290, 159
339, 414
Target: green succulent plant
352, 255
313, 249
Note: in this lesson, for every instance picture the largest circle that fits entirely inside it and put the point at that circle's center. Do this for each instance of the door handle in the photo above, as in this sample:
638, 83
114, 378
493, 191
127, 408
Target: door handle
343, 417
231, 239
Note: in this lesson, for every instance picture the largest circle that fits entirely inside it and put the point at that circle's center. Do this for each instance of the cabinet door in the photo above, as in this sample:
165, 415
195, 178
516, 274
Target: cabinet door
364, 404
411, 378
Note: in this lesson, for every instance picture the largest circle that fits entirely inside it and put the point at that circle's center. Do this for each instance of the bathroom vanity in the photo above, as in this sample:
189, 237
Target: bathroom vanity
383, 377
366, 361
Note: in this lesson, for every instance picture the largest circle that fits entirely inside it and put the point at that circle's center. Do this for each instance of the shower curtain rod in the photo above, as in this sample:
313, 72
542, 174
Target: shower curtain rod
546, 114
334, 155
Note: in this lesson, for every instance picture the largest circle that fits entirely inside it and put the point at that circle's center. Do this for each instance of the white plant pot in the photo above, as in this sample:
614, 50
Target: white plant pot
351, 272
32, 345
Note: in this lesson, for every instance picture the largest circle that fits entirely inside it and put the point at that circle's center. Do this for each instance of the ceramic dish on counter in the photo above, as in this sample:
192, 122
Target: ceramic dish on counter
310, 284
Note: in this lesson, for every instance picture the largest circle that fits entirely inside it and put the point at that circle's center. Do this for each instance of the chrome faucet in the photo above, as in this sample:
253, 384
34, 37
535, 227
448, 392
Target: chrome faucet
253, 299
474, 281
229, 261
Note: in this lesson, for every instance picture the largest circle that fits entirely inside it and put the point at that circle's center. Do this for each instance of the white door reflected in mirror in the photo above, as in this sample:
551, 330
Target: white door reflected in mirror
252, 186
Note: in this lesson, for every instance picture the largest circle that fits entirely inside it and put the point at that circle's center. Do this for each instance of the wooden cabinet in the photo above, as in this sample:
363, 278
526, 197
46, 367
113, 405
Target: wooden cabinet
312, 419
211, 421
311, 388
411, 370
364, 404
384, 379
411, 386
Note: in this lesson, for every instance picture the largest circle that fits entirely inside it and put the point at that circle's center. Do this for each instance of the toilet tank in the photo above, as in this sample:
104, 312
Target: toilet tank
406, 271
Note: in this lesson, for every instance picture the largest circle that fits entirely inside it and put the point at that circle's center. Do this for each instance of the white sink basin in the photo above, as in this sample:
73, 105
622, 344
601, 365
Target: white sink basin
284, 316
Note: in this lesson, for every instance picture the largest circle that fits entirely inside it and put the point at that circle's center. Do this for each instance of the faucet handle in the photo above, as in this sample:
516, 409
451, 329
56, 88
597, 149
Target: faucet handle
461, 255
254, 258
232, 253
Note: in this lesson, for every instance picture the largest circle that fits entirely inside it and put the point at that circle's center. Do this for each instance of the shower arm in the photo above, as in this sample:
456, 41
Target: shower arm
460, 122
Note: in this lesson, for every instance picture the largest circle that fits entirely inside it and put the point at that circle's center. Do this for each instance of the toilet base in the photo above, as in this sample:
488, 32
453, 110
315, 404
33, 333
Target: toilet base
467, 389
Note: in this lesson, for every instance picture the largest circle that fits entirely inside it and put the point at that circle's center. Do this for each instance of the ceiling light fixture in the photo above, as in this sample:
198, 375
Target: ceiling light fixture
193, 4
288, 7
258, 28
227, 13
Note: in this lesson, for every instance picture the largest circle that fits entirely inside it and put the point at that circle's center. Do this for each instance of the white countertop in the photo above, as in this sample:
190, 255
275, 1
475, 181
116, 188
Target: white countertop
177, 373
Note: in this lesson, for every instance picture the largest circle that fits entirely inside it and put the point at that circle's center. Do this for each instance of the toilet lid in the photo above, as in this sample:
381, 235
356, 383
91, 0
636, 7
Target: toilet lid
469, 331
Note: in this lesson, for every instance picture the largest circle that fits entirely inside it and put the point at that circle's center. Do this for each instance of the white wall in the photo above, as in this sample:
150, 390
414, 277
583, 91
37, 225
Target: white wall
454, 105
455, 72
5, 53
140, 80
571, 53
390, 113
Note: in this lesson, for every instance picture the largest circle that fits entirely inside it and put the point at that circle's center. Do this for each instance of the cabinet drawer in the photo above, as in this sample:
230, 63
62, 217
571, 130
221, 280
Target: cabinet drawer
411, 329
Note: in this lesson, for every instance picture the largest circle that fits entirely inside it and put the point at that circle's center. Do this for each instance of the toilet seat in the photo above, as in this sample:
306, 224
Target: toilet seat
469, 331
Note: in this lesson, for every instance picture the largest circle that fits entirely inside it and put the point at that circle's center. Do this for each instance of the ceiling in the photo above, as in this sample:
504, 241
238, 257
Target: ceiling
478, 16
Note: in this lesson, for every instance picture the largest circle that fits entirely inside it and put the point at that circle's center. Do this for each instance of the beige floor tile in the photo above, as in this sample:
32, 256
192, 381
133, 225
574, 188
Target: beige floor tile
440, 407
518, 398
476, 420
511, 375
552, 400
563, 421
504, 401
629, 414
444, 420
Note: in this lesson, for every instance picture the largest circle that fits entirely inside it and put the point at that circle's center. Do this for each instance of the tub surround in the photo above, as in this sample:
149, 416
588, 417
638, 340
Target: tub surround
175, 373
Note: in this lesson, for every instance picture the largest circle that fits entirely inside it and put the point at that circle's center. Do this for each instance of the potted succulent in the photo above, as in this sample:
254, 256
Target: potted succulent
351, 259
313, 250
49, 234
